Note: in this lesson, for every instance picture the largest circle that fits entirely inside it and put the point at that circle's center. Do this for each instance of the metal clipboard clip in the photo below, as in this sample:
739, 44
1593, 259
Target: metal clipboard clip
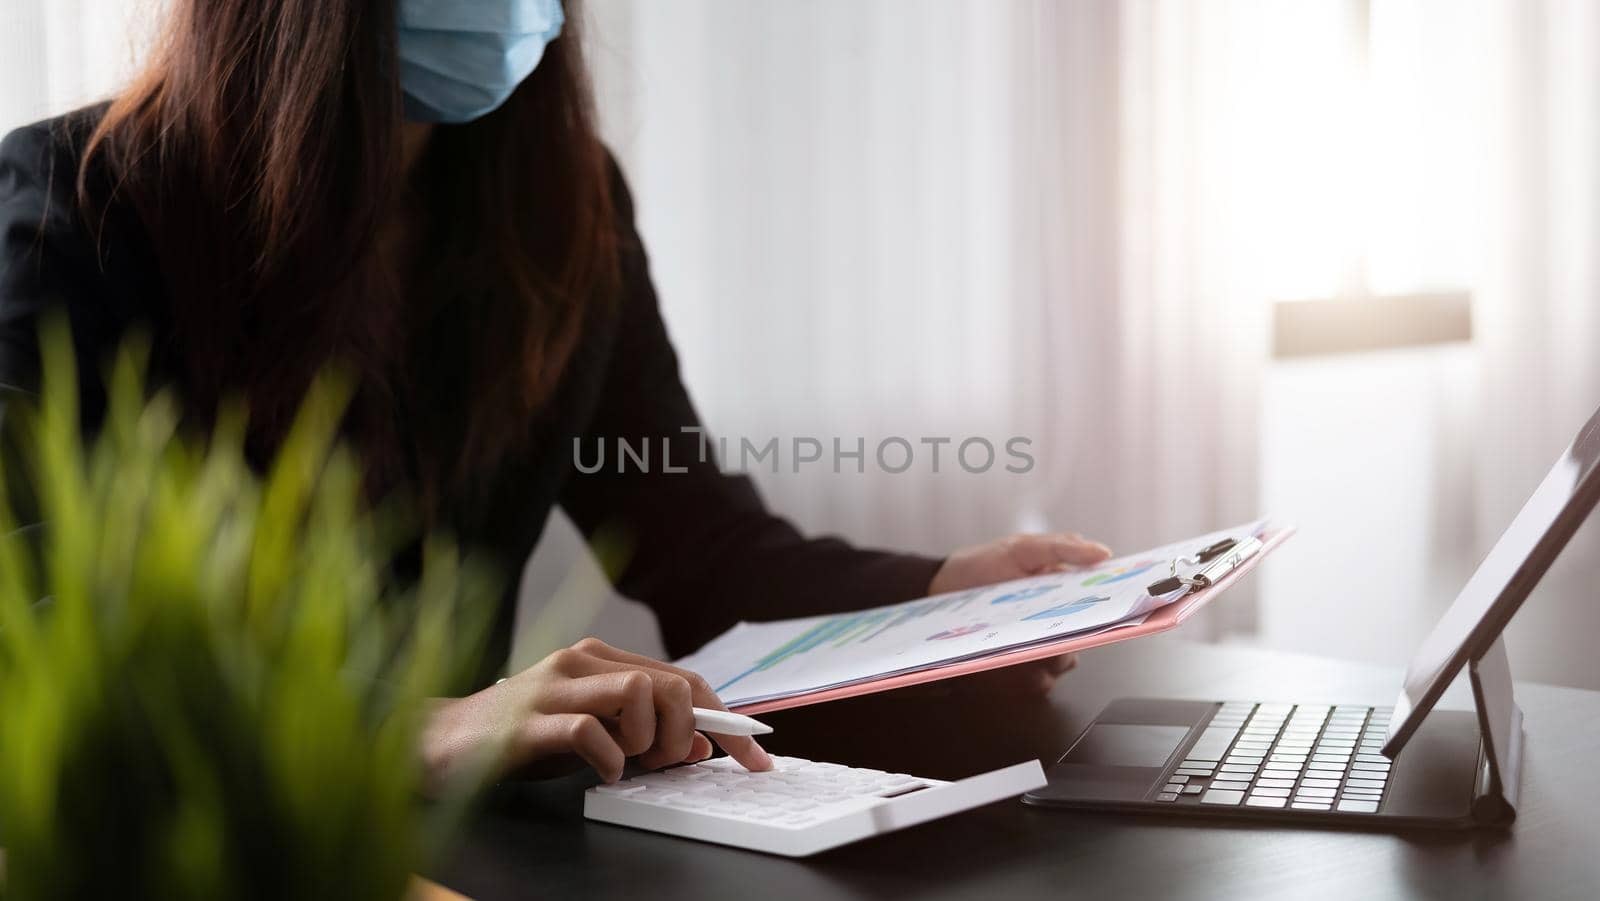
1210, 565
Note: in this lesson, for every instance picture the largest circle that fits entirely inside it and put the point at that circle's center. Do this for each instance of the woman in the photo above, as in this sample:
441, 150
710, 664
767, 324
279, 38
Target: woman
417, 192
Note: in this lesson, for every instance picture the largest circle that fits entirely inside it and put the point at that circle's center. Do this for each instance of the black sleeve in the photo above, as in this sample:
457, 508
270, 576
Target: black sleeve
101, 279
706, 552
38, 244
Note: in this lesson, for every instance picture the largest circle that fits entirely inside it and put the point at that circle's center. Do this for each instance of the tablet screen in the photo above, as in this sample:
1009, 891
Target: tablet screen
1525, 550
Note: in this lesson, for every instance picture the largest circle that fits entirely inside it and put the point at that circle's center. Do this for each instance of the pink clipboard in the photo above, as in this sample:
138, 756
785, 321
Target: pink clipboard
1168, 617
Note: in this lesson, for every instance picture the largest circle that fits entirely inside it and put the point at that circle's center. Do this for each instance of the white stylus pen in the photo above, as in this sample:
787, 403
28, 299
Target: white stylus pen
721, 722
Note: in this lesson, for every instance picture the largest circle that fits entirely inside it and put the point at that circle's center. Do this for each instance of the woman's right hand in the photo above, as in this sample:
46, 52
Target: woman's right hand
591, 700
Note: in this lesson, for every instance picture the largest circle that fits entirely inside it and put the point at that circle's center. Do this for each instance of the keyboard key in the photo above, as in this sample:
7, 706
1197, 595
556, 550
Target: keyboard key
1370, 767
1259, 791
620, 788
1258, 801
1172, 787
1274, 783
1167, 796
1319, 783
1223, 785
1202, 774
1372, 758
1239, 768
1325, 767
1358, 806
1340, 759
1304, 792
1310, 805
1197, 764
1222, 797
1193, 789
1177, 778
1364, 783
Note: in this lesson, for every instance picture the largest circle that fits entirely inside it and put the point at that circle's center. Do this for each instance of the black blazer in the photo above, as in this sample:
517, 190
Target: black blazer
707, 551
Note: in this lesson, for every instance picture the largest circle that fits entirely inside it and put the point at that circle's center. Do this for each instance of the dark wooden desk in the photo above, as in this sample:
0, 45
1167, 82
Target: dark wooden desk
533, 841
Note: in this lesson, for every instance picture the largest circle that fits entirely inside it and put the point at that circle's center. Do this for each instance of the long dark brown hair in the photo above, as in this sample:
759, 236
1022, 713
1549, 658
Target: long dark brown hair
261, 150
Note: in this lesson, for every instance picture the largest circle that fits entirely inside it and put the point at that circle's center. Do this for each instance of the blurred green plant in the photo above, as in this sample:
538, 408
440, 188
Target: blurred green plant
209, 686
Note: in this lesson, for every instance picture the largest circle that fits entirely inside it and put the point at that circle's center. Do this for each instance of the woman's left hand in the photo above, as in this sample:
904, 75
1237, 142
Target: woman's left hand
1015, 557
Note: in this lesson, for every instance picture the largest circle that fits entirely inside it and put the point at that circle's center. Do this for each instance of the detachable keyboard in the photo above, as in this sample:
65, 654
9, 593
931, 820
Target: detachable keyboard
1313, 764
1312, 758
798, 808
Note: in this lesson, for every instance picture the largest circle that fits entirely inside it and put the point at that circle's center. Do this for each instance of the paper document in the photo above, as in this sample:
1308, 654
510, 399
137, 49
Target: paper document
764, 661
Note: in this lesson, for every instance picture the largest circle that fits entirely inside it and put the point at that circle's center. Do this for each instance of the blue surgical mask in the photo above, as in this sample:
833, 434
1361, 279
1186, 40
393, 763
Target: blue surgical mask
461, 59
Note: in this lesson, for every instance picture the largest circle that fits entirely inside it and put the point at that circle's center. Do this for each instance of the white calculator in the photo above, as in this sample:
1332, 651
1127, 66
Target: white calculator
799, 807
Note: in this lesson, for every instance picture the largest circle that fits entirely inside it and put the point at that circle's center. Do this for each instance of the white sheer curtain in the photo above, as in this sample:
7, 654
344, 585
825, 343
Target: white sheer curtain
59, 54
1067, 220
952, 219
1538, 367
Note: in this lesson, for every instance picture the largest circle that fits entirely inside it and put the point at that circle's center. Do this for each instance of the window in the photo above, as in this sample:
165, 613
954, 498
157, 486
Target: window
1370, 170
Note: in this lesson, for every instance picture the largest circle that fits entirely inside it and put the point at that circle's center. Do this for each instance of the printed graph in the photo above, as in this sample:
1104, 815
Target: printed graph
857, 628
1025, 594
957, 631
1067, 609
1119, 573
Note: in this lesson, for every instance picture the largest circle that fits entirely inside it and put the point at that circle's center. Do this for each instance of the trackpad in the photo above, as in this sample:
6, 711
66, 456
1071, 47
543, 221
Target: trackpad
1122, 744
